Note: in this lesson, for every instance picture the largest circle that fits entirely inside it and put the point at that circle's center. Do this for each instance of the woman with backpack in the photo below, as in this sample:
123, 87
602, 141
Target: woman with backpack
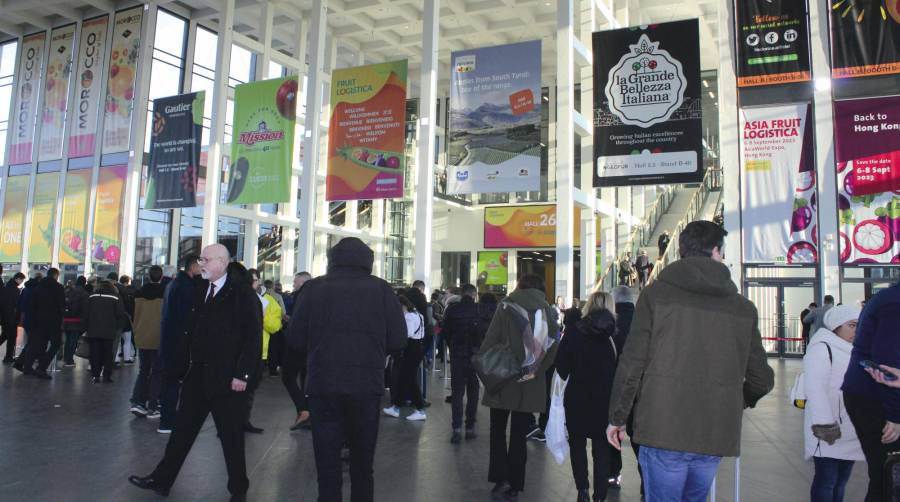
830, 438
587, 358
404, 381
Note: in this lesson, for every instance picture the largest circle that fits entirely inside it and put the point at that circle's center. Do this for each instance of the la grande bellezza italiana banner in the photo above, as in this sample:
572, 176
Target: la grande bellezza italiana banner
264, 117
867, 151
367, 134
778, 185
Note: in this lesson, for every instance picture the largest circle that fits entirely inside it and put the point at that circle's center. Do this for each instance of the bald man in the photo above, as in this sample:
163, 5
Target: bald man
222, 346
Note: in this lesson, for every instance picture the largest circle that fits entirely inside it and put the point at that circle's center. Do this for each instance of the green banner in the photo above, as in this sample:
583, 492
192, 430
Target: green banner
493, 269
43, 216
264, 117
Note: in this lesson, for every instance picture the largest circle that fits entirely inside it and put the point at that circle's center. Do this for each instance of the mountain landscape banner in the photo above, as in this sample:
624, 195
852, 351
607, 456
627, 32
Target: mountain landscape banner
495, 119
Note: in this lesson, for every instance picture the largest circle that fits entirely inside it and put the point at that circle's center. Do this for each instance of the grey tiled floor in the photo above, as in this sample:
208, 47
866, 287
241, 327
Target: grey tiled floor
67, 440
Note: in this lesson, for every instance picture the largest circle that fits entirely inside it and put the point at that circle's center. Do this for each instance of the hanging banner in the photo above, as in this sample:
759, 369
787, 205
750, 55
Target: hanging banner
865, 38
43, 216
13, 222
527, 226
106, 244
56, 93
772, 41
74, 217
86, 109
647, 116
495, 119
264, 116
867, 152
493, 268
126, 50
366, 134
778, 185
175, 151
25, 107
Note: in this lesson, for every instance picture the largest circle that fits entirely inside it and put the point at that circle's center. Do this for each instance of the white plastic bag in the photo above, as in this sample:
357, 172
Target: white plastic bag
555, 432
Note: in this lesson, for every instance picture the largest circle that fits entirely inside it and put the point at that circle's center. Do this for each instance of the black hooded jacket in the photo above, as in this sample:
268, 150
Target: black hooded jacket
465, 324
346, 322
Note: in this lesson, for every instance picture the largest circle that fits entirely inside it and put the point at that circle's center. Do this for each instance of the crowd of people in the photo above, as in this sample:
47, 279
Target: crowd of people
638, 363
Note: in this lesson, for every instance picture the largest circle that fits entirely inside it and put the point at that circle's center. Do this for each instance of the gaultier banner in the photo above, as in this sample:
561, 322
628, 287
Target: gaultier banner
27, 89
56, 93
175, 151
86, 106
772, 42
647, 116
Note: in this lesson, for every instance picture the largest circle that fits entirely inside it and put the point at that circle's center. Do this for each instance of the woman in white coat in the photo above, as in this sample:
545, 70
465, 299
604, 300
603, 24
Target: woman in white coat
830, 438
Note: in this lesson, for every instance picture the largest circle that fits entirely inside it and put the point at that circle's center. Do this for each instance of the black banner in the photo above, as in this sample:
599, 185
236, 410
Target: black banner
647, 113
865, 38
175, 151
772, 42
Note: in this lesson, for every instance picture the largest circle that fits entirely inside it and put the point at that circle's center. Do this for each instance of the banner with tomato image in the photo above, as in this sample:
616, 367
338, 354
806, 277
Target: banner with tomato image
264, 117
867, 152
175, 151
126, 50
527, 226
73, 224
13, 222
366, 134
43, 216
56, 93
106, 244
25, 108
86, 107
493, 268
865, 37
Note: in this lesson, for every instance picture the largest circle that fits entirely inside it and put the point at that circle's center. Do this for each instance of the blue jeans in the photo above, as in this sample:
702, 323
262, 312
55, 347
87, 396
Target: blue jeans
830, 479
677, 476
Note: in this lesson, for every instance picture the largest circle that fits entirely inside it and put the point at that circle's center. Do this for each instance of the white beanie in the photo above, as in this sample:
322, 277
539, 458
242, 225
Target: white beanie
839, 315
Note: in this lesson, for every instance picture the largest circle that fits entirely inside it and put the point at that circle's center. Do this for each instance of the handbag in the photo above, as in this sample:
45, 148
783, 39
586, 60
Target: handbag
495, 367
83, 350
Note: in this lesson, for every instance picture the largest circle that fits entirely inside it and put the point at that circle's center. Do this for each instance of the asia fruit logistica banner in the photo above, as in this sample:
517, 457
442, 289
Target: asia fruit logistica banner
175, 151
867, 152
264, 117
25, 105
778, 185
367, 132
86, 106
123, 63
56, 93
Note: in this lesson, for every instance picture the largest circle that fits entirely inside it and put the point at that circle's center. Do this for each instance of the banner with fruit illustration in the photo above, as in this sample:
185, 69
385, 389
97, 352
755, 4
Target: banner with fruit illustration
527, 226
175, 151
86, 107
43, 216
25, 108
126, 50
493, 268
56, 92
778, 185
865, 37
366, 134
74, 217
13, 221
867, 152
107, 235
264, 116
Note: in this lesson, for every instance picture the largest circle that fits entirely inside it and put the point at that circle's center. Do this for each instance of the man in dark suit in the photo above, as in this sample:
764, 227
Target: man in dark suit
10, 315
220, 353
49, 306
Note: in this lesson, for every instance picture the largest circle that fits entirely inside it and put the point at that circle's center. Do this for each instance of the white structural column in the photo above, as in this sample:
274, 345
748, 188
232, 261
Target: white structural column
588, 262
318, 27
289, 209
565, 146
425, 165
217, 130
829, 253
729, 152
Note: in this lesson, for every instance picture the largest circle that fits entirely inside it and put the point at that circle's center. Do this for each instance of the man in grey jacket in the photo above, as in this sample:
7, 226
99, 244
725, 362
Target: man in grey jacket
817, 315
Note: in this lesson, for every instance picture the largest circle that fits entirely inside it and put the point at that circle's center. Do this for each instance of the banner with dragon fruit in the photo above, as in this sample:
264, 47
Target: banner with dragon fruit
43, 217
56, 92
778, 185
867, 152
123, 63
366, 134
74, 217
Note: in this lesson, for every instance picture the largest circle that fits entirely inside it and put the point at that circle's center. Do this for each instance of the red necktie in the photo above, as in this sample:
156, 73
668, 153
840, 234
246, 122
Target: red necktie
212, 292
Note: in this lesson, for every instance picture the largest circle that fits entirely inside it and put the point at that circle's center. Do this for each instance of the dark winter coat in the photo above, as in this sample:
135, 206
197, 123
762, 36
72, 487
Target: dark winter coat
148, 304
25, 303
347, 321
177, 302
587, 358
49, 306
76, 307
126, 294
10, 304
105, 316
465, 325
624, 316
571, 316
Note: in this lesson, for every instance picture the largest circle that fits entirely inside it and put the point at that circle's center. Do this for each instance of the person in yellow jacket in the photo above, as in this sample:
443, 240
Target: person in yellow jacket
272, 315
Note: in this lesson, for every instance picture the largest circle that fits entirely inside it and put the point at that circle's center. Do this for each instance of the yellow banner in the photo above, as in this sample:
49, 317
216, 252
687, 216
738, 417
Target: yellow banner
13, 219
527, 226
43, 216
106, 245
74, 217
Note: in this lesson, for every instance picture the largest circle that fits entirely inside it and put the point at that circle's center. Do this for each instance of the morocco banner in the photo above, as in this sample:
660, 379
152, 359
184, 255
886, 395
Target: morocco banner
25, 105
175, 151
778, 185
86, 107
264, 116
366, 135
123, 63
56, 97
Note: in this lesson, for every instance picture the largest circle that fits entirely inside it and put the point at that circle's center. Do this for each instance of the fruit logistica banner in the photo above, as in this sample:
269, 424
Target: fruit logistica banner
25, 105
493, 268
865, 37
43, 216
106, 244
367, 132
126, 50
175, 151
867, 151
495, 119
56, 93
86, 109
74, 217
778, 185
773, 42
13, 222
647, 112
264, 116
527, 226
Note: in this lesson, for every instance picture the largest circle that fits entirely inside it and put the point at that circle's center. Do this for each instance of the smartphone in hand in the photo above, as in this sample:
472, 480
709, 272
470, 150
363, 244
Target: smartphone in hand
866, 364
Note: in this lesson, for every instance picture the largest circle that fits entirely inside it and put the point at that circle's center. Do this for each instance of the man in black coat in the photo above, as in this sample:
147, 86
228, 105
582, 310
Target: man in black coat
9, 315
220, 353
416, 294
345, 359
48, 306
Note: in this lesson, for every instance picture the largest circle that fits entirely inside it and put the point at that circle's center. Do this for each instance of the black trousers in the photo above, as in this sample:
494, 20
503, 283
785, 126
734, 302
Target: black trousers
276, 349
228, 412
9, 335
149, 380
170, 389
252, 385
600, 454
405, 381
101, 357
35, 347
55, 339
463, 383
508, 464
70, 345
868, 420
338, 419
291, 376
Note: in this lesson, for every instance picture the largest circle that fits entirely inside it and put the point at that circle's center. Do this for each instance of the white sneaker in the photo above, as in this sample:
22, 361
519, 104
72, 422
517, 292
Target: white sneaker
138, 410
416, 415
392, 411
164, 431
153, 414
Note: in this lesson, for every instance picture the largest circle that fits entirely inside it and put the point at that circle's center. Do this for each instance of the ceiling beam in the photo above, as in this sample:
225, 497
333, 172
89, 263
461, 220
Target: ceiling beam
27, 17
11, 29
